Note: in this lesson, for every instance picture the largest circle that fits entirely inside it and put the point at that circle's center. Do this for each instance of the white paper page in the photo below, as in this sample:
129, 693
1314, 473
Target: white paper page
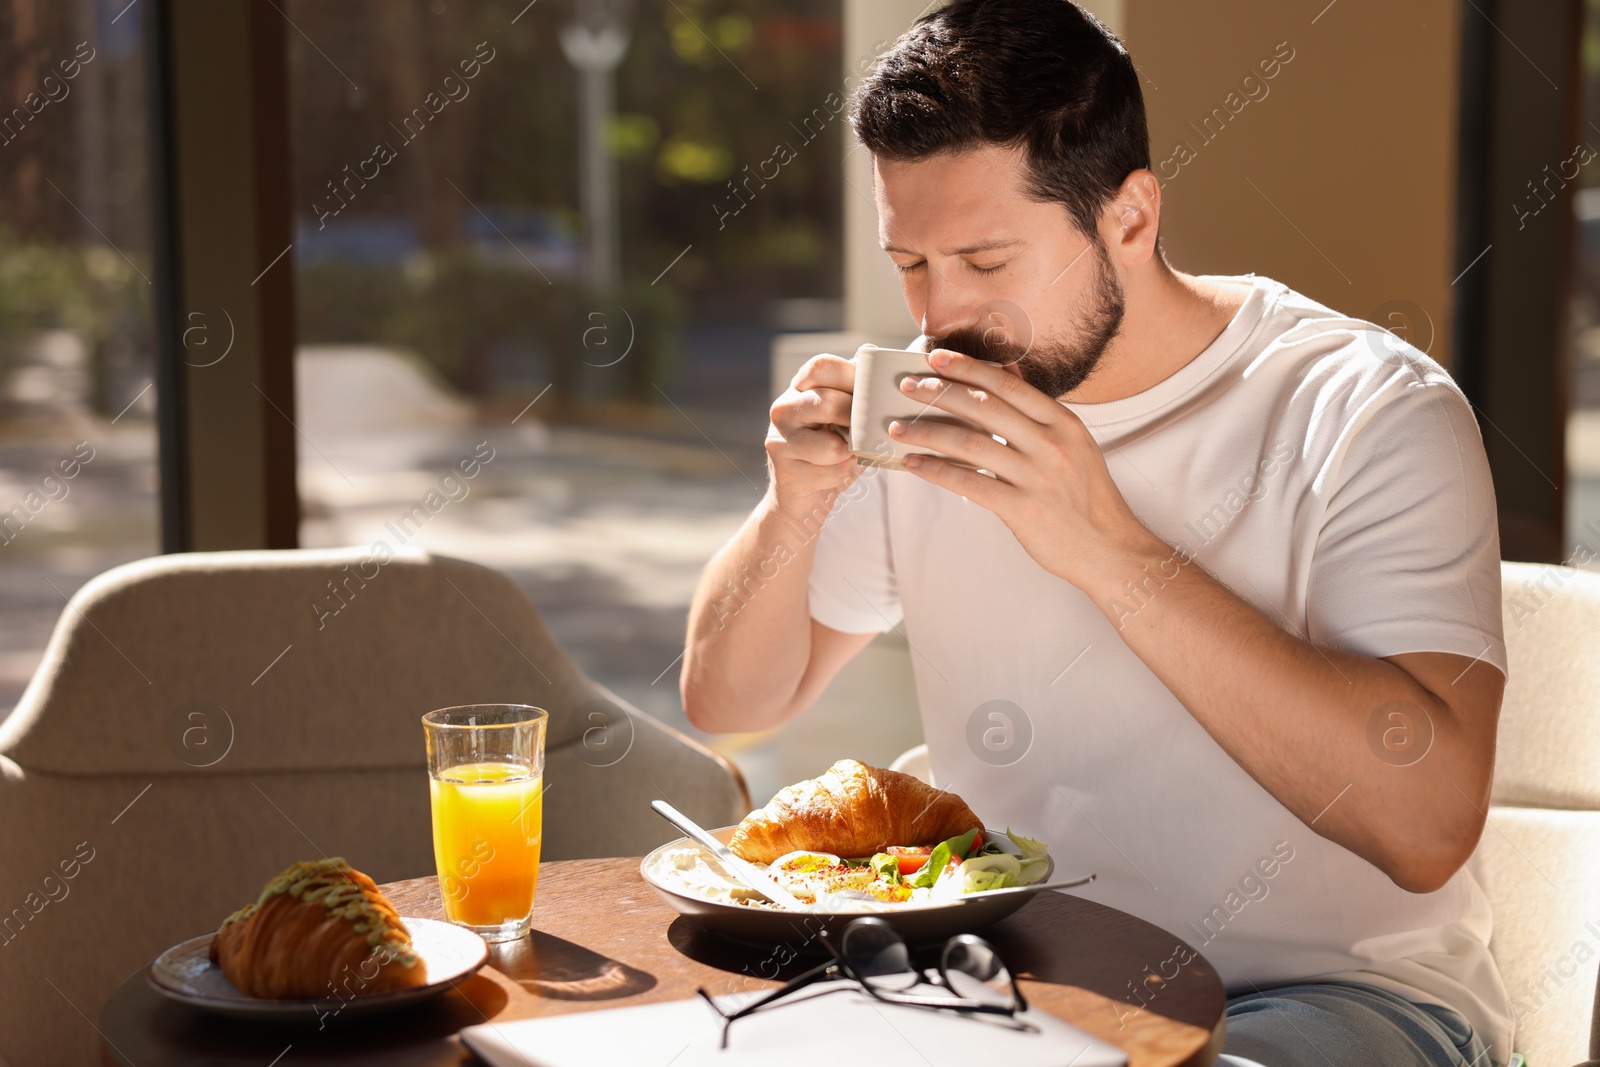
816, 1026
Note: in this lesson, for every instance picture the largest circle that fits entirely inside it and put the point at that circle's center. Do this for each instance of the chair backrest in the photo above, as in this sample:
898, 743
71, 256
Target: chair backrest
914, 761
201, 721
1539, 858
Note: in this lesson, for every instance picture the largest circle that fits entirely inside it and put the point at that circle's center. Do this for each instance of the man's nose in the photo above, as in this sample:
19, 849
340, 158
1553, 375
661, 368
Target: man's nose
947, 309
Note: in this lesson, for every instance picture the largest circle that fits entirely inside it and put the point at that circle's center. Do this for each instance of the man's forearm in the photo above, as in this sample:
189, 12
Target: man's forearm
749, 625
1309, 724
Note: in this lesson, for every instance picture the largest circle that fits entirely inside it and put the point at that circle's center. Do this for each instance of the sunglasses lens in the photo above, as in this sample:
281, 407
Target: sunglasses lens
975, 972
879, 956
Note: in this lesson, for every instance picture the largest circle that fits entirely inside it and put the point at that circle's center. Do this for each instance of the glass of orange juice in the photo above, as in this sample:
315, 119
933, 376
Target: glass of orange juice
486, 776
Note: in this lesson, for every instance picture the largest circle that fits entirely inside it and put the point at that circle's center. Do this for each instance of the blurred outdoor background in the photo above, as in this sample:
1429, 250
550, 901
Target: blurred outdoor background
449, 300
570, 260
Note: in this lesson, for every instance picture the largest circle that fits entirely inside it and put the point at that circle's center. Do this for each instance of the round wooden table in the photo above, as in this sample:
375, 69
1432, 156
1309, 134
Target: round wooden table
603, 939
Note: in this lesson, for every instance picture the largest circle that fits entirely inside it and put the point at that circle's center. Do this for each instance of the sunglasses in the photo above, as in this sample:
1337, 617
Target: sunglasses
971, 975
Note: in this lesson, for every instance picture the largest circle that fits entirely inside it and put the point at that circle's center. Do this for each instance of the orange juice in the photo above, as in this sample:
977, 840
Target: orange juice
487, 821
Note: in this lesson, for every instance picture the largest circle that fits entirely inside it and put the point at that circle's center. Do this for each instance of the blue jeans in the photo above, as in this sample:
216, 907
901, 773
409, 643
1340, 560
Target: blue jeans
1344, 1024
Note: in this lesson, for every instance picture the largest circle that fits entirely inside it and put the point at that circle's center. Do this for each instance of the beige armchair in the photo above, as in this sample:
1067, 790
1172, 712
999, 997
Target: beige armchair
1539, 857
201, 721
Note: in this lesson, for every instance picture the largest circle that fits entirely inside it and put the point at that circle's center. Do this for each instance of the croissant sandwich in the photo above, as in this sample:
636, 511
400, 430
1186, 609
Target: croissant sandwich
320, 928
852, 810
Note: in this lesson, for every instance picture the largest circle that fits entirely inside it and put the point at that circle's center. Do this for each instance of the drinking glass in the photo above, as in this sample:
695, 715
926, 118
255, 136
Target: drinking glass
486, 778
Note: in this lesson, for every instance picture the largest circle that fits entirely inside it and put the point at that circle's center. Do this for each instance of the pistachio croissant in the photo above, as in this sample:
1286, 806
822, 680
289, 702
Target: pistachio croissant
852, 810
319, 929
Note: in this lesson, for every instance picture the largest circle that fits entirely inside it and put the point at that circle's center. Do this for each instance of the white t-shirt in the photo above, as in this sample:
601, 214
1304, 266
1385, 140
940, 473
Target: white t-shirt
1326, 473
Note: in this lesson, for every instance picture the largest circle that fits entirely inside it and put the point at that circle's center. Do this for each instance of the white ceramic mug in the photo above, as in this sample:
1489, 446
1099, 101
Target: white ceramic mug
877, 401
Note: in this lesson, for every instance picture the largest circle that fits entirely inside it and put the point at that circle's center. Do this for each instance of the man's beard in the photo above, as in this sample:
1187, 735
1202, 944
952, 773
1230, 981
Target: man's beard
1055, 366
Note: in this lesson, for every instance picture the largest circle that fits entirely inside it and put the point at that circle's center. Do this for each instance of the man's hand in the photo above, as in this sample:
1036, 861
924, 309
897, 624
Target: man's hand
808, 461
1295, 716
1051, 485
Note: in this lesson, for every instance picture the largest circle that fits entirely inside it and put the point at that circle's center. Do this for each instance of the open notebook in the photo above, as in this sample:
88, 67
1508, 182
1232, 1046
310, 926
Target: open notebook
831, 1022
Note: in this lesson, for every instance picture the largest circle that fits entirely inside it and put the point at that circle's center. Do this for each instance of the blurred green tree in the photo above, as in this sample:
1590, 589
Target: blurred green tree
466, 242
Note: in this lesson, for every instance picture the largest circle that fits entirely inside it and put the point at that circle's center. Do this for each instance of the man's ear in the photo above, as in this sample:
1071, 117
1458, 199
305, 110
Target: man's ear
1135, 218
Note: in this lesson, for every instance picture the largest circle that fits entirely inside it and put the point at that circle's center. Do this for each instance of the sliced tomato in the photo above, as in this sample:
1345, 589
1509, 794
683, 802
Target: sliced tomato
977, 843
910, 859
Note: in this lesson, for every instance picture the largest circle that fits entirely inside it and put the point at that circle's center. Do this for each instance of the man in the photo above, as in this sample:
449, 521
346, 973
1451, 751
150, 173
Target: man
1212, 604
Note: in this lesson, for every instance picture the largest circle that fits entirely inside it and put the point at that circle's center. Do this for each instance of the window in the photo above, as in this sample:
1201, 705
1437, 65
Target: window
1583, 425
77, 403
468, 289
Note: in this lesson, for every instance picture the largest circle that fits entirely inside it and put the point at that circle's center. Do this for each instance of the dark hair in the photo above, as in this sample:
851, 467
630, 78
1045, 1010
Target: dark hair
1043, 75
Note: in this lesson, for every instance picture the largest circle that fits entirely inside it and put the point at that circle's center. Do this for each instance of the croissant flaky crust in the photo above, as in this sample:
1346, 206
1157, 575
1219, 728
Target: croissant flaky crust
851, 810
319, 929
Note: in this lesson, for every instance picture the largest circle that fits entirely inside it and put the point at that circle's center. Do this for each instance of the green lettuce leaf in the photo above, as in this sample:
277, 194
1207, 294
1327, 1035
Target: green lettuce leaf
929, 873
942, 853
1030, 848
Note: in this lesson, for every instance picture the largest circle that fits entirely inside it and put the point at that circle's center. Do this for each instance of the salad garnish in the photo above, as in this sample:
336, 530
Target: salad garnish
900, 874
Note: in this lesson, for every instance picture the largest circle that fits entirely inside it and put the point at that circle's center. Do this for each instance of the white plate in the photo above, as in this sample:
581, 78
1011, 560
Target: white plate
186, 974
769, 925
